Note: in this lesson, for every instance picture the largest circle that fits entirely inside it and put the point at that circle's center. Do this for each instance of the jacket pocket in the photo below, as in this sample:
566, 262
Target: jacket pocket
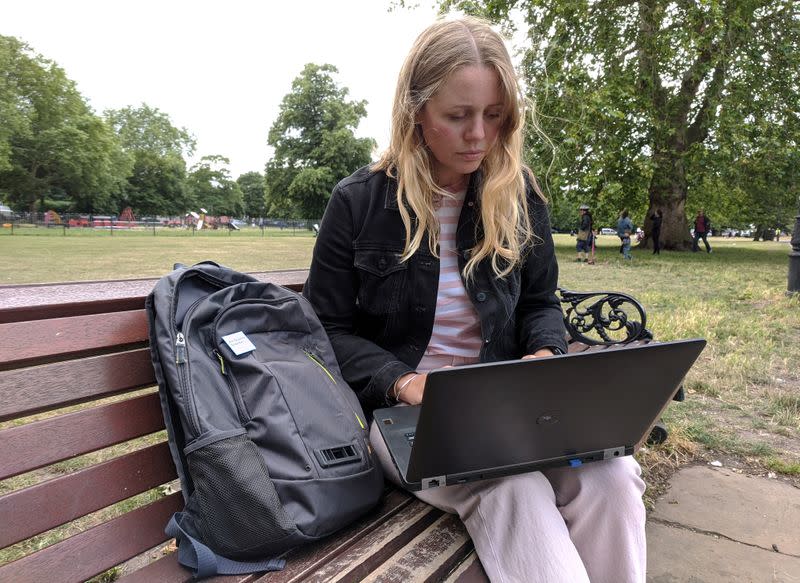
382, 276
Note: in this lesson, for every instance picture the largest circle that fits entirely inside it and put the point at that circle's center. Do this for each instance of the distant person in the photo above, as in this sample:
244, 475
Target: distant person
624, 230
585, 234
702, 229
655, 231
778, 235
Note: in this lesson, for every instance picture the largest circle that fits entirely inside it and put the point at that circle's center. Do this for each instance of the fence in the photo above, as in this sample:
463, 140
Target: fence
82, 224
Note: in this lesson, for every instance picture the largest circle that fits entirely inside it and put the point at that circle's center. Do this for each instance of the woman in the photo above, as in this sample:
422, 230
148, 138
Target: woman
440, 254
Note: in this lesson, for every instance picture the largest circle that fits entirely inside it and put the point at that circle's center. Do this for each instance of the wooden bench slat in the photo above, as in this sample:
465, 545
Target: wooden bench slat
77, 433
469, 571
26, 513
98, 549
314, 562
429, 556
47, 340
168, 570
32, 390
68, 310
368, 553
23, 302
301, 562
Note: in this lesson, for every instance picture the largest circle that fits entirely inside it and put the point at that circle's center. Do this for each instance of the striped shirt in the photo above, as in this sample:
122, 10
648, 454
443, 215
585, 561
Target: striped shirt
456, 326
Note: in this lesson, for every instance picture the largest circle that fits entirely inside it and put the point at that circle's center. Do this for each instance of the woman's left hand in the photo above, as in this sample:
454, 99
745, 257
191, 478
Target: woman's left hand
538, 353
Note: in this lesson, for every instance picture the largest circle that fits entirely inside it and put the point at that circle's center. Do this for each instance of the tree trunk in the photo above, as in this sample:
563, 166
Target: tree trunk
763, 233
668, 194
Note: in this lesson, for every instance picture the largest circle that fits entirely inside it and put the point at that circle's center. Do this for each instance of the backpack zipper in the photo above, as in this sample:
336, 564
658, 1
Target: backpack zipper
318, 361
181, 352
182, 360
180, 349
235, 394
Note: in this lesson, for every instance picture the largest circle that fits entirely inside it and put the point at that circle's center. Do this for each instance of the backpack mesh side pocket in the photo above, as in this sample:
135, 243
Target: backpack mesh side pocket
239, 512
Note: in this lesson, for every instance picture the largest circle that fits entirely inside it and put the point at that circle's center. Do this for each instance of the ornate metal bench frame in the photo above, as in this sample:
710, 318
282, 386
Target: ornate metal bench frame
602, 312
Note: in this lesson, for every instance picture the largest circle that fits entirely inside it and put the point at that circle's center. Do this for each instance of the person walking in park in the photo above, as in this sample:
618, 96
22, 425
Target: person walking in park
702, 228
624, 230
440, 254
655, 231
585, 234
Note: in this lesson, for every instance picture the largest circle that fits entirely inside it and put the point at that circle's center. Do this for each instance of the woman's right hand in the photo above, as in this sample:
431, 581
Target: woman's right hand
412, 392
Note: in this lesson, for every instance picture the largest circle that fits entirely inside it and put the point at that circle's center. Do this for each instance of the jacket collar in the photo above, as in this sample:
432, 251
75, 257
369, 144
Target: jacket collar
390, 202
391, 194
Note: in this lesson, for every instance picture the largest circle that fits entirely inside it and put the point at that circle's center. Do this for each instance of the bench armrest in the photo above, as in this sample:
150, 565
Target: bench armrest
603, 318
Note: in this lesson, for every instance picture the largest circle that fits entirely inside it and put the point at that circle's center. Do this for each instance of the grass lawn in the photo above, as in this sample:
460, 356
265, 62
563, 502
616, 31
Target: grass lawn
86, 254
743, 402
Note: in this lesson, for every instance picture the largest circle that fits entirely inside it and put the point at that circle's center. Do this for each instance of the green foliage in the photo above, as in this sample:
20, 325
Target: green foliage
314, 144
147, 129
662, 104
253, 192
157, 182
210, 186
51, 142
157, 185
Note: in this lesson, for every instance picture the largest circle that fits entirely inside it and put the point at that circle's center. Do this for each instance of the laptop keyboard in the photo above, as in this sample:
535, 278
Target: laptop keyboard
410, 438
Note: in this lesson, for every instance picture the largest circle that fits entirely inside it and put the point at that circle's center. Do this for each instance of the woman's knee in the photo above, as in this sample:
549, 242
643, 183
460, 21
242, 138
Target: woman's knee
521, 494
623, 477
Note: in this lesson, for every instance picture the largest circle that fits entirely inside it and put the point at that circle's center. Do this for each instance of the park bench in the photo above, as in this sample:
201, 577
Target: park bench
81, 430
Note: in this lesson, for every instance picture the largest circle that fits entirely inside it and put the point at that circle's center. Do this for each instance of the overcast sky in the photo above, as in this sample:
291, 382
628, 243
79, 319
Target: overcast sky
220, 69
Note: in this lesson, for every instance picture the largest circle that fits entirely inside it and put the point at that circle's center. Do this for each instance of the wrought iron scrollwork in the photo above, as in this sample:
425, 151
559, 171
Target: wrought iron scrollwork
603, 318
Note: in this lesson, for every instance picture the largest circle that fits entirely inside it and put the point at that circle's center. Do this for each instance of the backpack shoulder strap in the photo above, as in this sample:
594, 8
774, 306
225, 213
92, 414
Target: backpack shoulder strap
203, 562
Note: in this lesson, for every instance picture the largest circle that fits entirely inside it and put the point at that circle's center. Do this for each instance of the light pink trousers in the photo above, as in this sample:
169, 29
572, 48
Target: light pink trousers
565, 525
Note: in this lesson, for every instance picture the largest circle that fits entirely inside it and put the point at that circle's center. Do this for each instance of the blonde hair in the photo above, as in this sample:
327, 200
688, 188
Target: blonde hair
438, 52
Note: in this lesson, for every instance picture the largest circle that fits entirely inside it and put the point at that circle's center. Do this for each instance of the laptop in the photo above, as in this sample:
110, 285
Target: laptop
488, 420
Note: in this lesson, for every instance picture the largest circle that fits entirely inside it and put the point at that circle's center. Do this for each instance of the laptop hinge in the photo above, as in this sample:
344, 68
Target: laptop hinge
434, 482
613, 452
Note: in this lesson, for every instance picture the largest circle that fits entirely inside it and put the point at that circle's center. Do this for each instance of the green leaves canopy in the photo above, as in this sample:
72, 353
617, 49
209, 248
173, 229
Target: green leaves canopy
211, 187
51, 143
314, 144
656, 104
157, 183
253, 191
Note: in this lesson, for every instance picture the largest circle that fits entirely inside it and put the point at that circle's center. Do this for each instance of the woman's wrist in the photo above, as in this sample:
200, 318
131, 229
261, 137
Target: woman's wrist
401, 384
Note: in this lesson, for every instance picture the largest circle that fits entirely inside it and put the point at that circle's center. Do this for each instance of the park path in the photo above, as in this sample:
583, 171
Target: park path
721, 525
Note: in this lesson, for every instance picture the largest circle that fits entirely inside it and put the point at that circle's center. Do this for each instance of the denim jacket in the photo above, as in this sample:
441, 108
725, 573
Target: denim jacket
378, 310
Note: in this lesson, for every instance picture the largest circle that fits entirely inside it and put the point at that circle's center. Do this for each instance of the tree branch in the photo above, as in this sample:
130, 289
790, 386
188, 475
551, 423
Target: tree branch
648, 70
698, 130
691, 81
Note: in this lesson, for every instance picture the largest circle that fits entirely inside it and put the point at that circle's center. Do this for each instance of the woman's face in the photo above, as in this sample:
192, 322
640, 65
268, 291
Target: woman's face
461, 122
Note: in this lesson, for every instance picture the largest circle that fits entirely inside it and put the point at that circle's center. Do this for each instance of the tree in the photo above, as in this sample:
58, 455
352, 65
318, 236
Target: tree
211, 187
253, 191
315, 145
157, 185
642, 98
158, 148
51, 142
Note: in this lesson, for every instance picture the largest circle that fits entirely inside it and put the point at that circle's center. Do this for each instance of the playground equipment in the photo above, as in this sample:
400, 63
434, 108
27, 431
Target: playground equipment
202, 220
126, 219
51, 217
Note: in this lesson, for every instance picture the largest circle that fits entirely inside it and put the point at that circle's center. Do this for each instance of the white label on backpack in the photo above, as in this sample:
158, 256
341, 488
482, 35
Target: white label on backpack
239, 343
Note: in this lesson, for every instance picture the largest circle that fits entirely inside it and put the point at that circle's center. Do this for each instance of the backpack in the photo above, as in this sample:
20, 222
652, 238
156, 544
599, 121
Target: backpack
269, 442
